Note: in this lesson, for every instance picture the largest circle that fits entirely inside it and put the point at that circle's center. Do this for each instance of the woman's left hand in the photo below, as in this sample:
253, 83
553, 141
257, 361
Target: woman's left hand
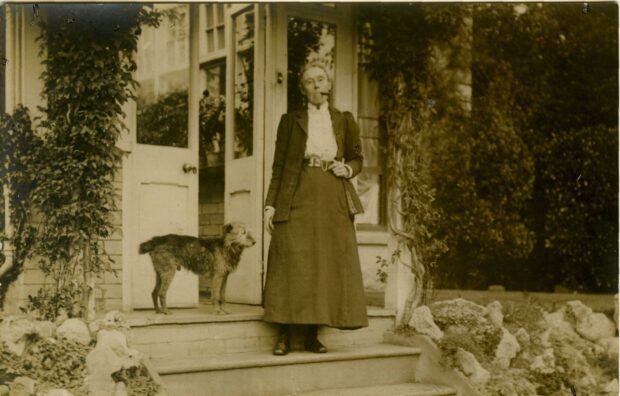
339, 169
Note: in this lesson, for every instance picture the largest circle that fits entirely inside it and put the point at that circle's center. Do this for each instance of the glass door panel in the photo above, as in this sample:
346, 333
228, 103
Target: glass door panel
162, 97
244, 84
307, 41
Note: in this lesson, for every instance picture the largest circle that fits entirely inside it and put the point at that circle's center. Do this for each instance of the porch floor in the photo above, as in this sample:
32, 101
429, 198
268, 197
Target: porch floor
205, 313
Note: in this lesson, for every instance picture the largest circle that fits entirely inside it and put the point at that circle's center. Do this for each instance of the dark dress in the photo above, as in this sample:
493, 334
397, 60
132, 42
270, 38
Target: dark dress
313, 271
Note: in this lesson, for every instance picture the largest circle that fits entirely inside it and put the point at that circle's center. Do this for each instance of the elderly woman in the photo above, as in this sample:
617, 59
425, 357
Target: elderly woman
313, 273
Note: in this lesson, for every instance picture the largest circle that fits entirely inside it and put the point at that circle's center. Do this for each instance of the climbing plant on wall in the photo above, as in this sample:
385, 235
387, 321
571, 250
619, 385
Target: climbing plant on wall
88, 56
403, 48
17, 147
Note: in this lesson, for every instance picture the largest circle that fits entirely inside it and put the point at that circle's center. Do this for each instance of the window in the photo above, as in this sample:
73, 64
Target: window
212, 85
370, 183
214, 23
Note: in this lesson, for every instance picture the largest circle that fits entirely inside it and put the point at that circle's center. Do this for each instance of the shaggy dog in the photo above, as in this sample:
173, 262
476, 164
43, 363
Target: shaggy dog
217, 256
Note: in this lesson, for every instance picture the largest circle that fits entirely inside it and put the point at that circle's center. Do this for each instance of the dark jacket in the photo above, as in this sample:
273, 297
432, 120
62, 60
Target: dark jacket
289, 155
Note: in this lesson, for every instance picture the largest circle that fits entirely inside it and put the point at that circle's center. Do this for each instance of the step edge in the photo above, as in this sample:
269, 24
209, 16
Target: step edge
440, 390
375, 313
309, 359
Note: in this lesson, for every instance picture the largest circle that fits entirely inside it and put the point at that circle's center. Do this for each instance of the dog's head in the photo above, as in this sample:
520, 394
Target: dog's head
236, 233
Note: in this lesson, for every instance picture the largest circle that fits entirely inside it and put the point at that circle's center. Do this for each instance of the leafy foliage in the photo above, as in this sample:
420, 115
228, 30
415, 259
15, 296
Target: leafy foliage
164, 122
551, 71
137, 380
73, 159
54, 363
17, 147
524, 181
581, 195
212, 123
49, 301
415, 106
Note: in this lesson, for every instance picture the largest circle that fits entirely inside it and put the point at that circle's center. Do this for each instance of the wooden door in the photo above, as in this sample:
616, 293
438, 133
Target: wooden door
165, 154
245, 142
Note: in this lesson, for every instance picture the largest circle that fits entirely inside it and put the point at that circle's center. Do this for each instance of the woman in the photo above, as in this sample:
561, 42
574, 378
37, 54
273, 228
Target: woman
313, 273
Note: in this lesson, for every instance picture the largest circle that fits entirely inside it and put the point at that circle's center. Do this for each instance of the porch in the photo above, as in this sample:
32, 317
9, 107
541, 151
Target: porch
197, 352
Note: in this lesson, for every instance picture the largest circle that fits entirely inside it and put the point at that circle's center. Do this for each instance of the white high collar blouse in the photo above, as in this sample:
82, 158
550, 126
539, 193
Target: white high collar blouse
321, 139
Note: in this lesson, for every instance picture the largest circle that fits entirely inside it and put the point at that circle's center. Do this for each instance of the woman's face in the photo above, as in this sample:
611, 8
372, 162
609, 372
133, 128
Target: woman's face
316, 85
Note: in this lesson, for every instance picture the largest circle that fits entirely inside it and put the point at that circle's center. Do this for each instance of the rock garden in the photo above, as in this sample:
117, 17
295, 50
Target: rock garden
521, 349
68, 357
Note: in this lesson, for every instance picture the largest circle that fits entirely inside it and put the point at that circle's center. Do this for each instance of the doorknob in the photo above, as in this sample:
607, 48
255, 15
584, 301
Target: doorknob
189, 168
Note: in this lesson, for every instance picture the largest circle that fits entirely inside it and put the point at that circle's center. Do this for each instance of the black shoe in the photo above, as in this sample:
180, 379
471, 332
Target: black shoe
311, 342
315, 346
281, 348
283, 342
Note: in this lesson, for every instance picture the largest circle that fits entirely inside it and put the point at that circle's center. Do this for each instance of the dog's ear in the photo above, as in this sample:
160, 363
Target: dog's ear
227, 228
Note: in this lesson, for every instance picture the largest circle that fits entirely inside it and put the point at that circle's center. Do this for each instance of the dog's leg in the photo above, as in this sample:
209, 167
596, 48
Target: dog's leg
216, 288
223, 293
166, 280
155, 293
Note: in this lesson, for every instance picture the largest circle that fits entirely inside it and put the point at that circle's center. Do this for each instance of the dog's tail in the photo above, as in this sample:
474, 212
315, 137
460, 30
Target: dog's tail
147, 246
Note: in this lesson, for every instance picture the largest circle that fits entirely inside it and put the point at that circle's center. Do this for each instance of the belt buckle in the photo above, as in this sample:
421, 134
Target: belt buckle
325, 164
317, 162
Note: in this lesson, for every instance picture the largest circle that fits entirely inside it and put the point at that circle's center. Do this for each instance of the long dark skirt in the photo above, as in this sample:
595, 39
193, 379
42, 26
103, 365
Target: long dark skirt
313, 271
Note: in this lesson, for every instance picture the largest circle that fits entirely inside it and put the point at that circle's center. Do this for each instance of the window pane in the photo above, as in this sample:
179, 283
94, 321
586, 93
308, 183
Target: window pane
368, 188
210, 41
308, 41
220, 13
213, 117
244, 85
215, 79
209, 15
221, 38
162, 108
370, 149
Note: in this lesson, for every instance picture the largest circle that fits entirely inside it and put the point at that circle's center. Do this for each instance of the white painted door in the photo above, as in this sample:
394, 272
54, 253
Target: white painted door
245, 142
165, 154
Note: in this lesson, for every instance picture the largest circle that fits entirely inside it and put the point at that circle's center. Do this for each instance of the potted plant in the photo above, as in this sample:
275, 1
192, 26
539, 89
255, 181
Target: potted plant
212, 128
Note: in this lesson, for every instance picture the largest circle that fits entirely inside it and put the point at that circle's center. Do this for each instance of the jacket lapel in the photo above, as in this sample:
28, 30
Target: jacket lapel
302, 120
338, 130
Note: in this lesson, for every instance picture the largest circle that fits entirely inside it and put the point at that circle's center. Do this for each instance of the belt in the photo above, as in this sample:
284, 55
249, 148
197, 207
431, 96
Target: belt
316, 162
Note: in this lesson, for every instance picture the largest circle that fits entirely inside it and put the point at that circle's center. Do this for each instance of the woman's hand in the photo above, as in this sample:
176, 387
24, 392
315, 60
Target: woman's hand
268, 218
340, 169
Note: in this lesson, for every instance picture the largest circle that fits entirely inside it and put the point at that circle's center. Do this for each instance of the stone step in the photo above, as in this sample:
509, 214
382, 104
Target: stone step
195, 334
262, 374
407, 389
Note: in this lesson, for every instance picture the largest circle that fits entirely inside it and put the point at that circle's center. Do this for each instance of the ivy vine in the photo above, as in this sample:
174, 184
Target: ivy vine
88, 55
408, 48
17, 147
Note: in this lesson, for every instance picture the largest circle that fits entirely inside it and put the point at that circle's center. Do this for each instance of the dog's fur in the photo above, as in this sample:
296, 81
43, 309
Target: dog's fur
217, 256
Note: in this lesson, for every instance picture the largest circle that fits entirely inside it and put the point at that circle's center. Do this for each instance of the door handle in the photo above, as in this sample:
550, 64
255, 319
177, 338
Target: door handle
189, 168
